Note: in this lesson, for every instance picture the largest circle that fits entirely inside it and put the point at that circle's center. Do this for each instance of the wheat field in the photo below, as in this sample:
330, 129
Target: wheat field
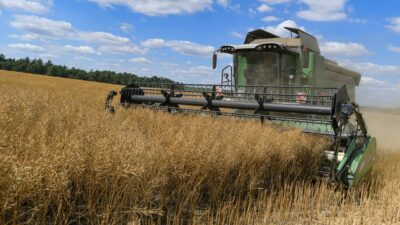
63, 160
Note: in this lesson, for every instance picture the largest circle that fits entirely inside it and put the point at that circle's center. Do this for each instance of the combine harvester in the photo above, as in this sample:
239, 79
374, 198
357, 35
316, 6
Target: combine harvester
280, 80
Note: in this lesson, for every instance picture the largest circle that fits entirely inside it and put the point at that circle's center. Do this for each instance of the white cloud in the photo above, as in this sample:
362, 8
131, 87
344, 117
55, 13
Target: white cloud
42, 26
280, 28
197, 74
48, 56
36, 27
80, 49
168, 65
200, 70
126, 27
183, 47
393, 48
101, 37
154, 43
264, 8
275, 2
270, 19
82, 58
394, 24
318, 10
140, 60
237, 34
161, 7
29, 47
378, 92
224, 3
343, 49
373, 81
122, 49
31, 6
190, 48
54, 51
26, 37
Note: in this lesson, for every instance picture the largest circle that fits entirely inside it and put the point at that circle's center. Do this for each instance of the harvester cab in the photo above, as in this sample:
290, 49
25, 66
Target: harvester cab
266, 59
277, 80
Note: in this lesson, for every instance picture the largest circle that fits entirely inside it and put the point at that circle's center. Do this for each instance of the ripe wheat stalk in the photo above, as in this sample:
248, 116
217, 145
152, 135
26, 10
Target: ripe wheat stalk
64, 160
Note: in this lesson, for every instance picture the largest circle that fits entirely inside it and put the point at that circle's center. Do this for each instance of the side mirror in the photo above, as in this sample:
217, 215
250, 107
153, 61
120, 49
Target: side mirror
214, 61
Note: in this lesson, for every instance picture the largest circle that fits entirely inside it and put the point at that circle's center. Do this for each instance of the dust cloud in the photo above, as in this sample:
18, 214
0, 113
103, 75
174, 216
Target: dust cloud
384, 124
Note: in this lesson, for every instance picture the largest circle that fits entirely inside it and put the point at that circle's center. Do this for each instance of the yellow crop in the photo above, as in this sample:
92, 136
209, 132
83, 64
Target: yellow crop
63, 160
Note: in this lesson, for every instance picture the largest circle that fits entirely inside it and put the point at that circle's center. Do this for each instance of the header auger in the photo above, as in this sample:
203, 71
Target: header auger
278, 80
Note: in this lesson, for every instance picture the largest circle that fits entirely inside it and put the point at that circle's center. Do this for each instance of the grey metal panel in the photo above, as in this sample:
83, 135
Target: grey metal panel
332, 79
258, 34
307, 40
319, 68
334, 67
288, 42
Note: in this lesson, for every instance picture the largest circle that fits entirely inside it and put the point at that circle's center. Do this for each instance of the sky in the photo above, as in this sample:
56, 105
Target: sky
176, 38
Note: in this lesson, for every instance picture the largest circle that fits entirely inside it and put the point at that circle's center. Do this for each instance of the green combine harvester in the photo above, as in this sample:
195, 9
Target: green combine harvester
277, 80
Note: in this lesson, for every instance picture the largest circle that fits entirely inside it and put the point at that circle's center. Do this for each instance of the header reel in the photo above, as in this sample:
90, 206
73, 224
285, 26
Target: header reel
317, 110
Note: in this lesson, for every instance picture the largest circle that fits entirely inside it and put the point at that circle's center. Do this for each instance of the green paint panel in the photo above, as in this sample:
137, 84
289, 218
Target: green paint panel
364, 162
241, 68
361, 163
346, 157
308, 71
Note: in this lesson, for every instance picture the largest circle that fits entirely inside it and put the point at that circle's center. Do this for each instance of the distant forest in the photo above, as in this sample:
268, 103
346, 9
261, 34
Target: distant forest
37, 66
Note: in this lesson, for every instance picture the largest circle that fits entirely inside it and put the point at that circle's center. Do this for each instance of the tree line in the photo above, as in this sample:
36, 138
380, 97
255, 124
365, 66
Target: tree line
38, 66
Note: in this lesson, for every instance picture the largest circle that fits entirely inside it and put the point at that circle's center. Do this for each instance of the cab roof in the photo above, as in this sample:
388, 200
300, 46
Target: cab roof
304, 39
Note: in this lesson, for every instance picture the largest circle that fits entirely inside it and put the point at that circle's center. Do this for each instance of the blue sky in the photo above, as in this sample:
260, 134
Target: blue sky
175, 38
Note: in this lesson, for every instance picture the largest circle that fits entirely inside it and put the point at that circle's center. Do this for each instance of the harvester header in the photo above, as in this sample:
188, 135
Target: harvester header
277, 80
